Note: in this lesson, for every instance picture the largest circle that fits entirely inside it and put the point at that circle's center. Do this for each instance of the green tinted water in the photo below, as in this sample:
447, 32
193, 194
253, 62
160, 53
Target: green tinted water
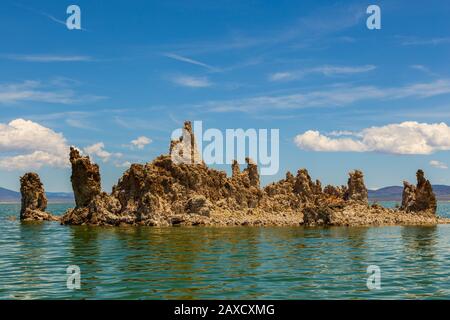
228, 263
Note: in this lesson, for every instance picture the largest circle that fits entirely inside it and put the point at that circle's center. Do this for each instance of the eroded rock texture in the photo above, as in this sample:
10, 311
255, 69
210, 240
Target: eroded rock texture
356, 189
420, 197
34, 200
168, 192
85, 178
184, 150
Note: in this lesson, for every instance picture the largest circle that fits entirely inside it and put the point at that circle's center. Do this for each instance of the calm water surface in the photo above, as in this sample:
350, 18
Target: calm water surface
221, 263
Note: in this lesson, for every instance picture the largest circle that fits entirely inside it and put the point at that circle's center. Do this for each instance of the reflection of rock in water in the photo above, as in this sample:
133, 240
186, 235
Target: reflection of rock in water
420, 242
85, 251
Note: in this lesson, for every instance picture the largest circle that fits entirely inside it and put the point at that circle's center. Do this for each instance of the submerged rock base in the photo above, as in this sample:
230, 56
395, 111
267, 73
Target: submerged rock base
358, 214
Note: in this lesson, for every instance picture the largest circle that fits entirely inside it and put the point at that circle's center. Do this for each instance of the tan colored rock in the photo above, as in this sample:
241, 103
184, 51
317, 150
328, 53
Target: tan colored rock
356, 189
235, 170
199, 205
420, 197
85, 178
337, 192
167, 192
306, 188
252, 173
185, 150
34, 200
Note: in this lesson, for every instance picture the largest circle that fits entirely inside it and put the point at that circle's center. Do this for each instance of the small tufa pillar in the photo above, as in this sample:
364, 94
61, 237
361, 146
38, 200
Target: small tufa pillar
34, 200
86, 182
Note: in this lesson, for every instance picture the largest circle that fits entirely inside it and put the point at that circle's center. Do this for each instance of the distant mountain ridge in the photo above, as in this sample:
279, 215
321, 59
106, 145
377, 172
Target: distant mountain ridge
53, 197
391, 193
394, 193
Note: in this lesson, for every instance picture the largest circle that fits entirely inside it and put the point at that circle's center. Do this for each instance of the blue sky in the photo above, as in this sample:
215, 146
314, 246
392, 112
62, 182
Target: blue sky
139, 68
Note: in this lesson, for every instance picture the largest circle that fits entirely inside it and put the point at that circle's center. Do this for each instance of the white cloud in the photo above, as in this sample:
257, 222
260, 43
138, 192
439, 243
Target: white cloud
332, 70
192, 82
325, 70
313, 140
36, 91
98, 150
125, 164
283, 76
438, 164
30, 145
339, 133
141, 142
48, 58
402, 138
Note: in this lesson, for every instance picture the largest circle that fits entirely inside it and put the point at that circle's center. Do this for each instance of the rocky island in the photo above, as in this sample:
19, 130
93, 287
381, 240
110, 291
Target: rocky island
167, 193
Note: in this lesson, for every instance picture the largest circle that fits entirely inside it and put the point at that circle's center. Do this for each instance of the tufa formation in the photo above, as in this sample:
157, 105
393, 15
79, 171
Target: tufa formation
179, 189
34, 200
420, 197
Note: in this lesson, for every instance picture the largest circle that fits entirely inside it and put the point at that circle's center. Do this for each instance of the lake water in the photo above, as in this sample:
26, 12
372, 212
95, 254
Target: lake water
221, 263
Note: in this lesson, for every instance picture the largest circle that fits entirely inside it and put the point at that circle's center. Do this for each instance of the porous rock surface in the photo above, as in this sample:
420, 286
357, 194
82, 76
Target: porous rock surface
420, 197
34, 200
168, 192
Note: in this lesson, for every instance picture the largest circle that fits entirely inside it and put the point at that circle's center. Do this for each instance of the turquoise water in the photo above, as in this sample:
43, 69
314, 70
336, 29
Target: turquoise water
221, 263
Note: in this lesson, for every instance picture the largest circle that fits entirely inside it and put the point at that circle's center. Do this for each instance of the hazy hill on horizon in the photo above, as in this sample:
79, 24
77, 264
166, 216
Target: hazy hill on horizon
394, 193
11, 196
390, 193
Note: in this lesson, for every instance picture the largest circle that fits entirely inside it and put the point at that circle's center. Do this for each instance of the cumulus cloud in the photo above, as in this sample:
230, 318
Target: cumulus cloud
29, 145
403, 138
438, 164
313, 140
98, 150
141, 142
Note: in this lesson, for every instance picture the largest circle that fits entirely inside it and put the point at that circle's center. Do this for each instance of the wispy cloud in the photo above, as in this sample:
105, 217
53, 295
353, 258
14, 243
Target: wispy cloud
44, 14
190, 61
306, 29
48, 58
422, 41
333, 96
326, 70
192, 82
36, 91
438, 164
422, 68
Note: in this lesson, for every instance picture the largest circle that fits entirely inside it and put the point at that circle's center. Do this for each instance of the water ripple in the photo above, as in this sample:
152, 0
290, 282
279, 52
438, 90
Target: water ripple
214, 263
